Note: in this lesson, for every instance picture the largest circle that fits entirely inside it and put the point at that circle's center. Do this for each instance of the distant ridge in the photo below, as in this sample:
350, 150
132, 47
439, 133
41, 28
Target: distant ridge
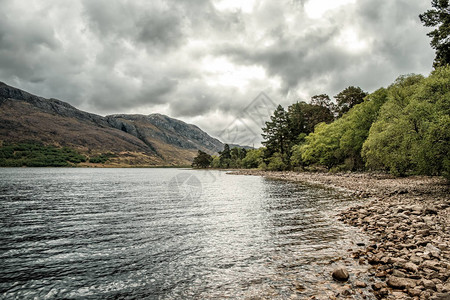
150, 140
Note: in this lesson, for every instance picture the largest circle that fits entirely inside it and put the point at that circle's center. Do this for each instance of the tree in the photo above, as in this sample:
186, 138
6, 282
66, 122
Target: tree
277, 162
412, 132
253, 159
324, 101
237, 154
276, 133
225, 156
202, 160
315, 114
303, 117
439, 17
348, 98
339, 144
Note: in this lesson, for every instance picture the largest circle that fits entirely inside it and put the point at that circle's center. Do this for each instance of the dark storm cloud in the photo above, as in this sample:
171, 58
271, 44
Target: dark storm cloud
395, 46
157, 27
205, 60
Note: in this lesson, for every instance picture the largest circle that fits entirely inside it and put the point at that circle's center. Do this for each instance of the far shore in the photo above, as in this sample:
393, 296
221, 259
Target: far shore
408, 222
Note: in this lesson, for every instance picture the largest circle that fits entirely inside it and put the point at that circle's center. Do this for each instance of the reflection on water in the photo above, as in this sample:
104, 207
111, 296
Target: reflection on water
128, 233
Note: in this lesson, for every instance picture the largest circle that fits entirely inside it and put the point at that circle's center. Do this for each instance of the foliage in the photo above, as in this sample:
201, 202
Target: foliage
286, 129
439, 17
324, 101
276, 133
277, 162
412, 133
340, 142
32, 154
253, 158
202, 160
215, 163
348, 98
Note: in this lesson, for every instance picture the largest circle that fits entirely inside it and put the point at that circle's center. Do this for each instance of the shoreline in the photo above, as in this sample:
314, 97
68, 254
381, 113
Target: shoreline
407, 221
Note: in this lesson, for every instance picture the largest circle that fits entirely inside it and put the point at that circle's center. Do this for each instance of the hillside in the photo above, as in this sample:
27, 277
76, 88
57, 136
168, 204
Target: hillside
135, 140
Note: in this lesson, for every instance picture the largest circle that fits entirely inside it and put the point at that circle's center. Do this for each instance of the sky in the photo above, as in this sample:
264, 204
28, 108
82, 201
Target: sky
220, 64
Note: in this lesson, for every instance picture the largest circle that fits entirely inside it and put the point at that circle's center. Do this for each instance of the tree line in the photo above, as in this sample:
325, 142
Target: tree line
402, 129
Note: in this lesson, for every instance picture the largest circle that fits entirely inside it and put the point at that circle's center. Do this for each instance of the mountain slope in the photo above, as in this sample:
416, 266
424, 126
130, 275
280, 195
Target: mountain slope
138, 139
157, 128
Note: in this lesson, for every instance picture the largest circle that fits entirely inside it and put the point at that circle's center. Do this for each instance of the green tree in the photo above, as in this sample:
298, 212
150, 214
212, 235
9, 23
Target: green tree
277, 162
315, 114
215, 162
253, 158
202, 160
412, 132
348, 98
225, 156
339, 143
439, 17
276, 133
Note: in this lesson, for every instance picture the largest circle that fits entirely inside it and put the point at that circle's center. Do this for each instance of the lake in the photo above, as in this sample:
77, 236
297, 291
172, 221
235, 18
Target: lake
164, 234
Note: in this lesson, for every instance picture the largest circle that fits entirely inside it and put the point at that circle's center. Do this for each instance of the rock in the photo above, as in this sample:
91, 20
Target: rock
299, 287
409, 266
400, 296
430, 264
416, 260
397, 282
378, 286
428, 284
381, 274
430, 210
440, 296
432, 250
398, 273
383, 292
341, 274
360, 284
415, 292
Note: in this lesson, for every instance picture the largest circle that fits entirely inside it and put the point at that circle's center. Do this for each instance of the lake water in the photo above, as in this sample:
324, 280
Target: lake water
163, 234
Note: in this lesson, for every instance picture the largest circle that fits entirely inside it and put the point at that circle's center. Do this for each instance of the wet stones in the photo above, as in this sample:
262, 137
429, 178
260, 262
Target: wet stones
408, 221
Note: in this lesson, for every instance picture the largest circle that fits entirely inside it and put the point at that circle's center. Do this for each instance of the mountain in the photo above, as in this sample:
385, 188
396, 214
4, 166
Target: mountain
138, 140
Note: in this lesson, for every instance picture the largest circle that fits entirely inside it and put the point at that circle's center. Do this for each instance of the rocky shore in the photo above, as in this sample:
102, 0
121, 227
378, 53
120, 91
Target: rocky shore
408, 222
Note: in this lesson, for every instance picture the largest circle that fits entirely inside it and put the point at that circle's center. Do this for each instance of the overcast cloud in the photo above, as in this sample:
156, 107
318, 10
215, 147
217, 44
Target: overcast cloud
204, 61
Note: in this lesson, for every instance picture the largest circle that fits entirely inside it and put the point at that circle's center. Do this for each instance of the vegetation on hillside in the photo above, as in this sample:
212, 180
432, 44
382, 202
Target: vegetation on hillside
37, 155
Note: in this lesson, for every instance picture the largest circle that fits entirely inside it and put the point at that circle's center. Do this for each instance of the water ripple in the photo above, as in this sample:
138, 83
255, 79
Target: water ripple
120, 233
